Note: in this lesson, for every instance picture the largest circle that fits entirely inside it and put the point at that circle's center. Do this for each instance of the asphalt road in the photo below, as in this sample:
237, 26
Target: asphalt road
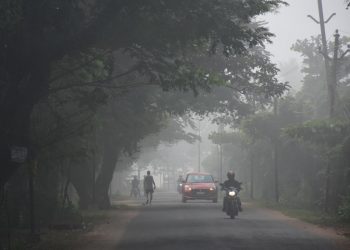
168, 224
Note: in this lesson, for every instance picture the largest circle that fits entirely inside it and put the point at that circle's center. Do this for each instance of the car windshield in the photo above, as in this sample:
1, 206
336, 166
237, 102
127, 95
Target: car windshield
199, 178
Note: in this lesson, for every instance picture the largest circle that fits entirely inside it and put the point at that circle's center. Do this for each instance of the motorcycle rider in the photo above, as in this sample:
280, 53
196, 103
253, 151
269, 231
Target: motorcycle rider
179, 184
135, 187
232, 182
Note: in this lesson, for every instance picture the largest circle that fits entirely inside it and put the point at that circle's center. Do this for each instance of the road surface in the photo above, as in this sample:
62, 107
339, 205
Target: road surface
169, 224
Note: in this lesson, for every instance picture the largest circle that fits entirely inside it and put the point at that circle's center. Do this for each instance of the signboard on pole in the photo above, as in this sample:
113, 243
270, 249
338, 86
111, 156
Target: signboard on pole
19, 154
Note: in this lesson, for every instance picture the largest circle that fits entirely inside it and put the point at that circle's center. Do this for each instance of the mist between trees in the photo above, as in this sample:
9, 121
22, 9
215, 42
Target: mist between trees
291, 152
84, 85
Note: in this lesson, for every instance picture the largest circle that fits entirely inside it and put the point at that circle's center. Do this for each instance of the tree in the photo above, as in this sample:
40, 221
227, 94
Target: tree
36, 34
74, 98
329, 139
265, 128
313, 90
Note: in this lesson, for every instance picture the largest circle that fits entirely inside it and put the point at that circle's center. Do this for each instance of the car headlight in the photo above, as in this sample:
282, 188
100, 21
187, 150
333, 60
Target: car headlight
188, 188
212, 189
232, 193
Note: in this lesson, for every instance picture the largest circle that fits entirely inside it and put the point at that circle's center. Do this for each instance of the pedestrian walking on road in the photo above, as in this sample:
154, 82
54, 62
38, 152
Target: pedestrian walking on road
149, 186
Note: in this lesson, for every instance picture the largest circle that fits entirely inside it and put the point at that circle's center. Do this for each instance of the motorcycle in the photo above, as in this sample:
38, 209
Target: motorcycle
231, 204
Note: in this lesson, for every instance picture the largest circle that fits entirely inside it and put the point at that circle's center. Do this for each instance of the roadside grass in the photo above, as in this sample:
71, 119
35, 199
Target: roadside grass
309, 215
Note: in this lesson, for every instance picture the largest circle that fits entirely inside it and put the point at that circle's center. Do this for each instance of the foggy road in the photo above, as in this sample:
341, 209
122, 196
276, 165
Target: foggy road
169, 224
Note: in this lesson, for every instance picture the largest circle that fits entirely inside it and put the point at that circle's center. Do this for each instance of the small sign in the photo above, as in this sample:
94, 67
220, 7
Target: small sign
19, 154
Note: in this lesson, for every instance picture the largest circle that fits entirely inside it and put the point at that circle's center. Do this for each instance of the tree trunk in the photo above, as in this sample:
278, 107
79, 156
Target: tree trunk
110, 157
25, 89
327, 186
84, 196
80, 177
276, 175
18, 134
252, 170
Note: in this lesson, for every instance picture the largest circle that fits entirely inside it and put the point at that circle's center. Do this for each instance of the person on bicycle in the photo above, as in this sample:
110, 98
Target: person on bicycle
135, 190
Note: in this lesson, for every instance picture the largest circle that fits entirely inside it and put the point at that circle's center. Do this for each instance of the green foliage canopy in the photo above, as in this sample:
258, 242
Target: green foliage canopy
320, 132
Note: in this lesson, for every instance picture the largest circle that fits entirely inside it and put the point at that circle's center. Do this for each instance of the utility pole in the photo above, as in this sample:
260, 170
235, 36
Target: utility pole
219, 172
334, 83
331, 76
199, 146
275, 154
221, 163
31, 197
252, 173
33, 166
168, 175
138, 172
94, 162
336, 59
324, 52
330, 86
331, 72
9, 224
252, 158
160, 178
221, 129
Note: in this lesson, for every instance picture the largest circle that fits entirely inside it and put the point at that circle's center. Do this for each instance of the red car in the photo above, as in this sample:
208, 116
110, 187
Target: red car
199, 186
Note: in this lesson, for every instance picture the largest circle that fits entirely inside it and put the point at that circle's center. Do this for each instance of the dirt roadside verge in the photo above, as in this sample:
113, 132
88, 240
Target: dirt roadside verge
103, 235
106, 236
337, 233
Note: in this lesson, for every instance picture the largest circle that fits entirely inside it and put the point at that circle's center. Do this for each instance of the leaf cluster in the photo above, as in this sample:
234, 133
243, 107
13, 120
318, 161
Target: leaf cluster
320, 132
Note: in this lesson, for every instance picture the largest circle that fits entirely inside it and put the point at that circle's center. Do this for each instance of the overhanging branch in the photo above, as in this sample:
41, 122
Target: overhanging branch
103, 83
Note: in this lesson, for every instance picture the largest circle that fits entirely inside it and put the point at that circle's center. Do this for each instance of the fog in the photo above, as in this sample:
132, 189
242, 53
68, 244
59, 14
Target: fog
291, 23
144, 124
288, 24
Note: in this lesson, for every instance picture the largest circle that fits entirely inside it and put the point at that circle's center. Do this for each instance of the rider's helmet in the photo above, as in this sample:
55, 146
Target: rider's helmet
230, 175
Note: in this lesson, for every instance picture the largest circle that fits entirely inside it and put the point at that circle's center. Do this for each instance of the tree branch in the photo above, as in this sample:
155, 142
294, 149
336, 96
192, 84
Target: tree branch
97, 83
71, 71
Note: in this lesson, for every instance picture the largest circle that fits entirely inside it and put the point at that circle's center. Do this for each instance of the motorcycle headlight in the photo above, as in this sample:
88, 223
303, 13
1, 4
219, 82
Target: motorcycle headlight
232, 193
180, 184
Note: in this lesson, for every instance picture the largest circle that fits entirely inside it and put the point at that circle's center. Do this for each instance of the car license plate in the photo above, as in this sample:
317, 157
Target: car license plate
200, 192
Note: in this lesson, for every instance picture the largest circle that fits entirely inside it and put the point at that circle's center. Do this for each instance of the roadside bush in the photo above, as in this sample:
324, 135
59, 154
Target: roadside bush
67, 217
344, 209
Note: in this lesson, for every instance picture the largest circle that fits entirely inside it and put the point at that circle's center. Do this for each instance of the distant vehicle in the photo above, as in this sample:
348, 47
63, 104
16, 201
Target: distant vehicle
199, 186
